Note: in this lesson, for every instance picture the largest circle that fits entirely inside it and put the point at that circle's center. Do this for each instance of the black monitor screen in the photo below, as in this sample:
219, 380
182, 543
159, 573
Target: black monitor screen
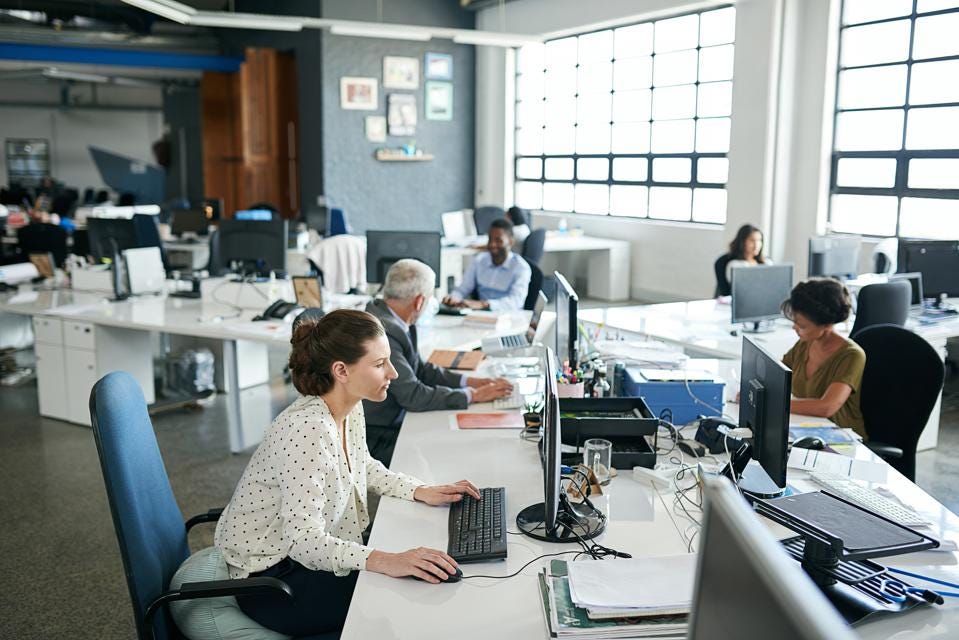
253, 245
566, 322
834, 256
189, 221
384, 248
758, 292
915, 282
766, 387
937, 260
109, 235
552, 442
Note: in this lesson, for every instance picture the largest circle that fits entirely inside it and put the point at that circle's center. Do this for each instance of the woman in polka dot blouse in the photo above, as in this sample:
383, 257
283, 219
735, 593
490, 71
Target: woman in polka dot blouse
299, 510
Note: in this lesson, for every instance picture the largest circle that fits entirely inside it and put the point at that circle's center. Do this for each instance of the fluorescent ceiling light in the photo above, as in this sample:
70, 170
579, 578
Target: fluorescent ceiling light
374, 30
246, 21
60, 74
176, 11
494, 39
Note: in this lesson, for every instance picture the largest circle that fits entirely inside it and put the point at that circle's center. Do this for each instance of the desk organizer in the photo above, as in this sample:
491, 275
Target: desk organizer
623, 421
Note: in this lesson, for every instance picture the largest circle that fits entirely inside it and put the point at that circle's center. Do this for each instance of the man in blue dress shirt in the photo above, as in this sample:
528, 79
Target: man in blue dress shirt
498, 278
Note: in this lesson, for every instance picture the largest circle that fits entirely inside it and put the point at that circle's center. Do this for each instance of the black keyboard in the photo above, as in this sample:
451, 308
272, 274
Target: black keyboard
477, 528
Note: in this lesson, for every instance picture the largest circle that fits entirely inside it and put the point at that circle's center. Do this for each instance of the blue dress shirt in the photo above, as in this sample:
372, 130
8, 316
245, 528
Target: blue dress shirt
504, 286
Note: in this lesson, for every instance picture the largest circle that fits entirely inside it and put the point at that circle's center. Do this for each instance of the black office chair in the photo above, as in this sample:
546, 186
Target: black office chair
307, 314
900, 386
723, 288
214, 265
882, 303
483, 217
43, 238
535, 285
534, 246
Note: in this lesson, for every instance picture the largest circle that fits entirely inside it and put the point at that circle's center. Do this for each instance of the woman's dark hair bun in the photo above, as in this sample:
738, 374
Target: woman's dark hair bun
824, 301
339, 336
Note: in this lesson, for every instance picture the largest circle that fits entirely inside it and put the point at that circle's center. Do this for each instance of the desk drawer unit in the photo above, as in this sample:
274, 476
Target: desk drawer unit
81, 370
48, 330
51, 380
79, 335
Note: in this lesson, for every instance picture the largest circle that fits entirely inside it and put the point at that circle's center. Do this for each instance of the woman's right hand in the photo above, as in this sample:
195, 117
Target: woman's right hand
427, 564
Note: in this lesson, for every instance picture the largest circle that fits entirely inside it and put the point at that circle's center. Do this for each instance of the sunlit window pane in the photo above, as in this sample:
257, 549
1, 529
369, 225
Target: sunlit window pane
529, 168
866, 172
933, 128
673, 34
631, 137
558, 196
716, 63
883, 42
593, 107
715, 99
529, 59
529, 195
935, 5
929, 218
934, 82
591, 198
670, 203
634, 41
529, 142
592, 138
674, 103
529, 114
630, 169
635, 73
673, 136
674, 68
596, 46
854, 11
560, 83
672, 169
717, 27
559, 168
531, 87
709, 205
559, 111
559, 140
712, 170
870, 215
934, 173
631, 106
628, 200
869, 130
872, 87
595, 77
712, 135
560, 53
592, 169
936, 36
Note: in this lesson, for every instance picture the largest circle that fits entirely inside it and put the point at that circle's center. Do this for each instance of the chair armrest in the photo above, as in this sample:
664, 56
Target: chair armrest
210, 516
260, 586
884, 450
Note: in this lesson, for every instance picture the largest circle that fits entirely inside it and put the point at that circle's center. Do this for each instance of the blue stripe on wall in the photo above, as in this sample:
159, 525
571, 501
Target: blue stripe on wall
121, 57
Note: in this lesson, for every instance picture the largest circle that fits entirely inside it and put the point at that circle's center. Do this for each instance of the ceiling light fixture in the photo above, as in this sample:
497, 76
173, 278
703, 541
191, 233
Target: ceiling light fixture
176, 11
245, 21
494, 39
380, 31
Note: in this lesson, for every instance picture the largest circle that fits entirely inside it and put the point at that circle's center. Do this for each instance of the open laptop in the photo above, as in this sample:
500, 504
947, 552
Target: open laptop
517, 340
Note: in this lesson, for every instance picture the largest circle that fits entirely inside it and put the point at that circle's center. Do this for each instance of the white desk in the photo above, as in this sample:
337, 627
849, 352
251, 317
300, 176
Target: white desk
640, 522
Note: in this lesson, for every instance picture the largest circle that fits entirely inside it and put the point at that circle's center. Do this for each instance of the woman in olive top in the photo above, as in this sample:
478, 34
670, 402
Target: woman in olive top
827, 368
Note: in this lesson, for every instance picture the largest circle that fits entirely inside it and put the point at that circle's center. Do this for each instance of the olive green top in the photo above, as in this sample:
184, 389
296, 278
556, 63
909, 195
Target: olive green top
845, 365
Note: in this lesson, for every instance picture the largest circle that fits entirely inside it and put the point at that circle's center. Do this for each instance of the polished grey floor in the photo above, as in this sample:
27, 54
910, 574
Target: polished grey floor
62, 572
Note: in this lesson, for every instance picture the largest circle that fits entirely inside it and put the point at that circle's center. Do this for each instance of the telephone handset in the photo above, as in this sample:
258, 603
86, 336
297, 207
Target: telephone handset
277, 310
708, 434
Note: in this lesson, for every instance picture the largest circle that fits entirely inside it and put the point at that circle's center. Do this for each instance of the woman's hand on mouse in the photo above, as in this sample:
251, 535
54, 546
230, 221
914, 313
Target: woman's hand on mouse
424, 563
445, 493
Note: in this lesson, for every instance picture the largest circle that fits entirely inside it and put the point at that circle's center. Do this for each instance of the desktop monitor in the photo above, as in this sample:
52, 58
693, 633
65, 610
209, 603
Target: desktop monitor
747, 587
259, 215
317, 219
937, 260
189, 221
109, 236
384, 248
567, 327
758, 292
764, 394
834, 256
915, 281
253, 245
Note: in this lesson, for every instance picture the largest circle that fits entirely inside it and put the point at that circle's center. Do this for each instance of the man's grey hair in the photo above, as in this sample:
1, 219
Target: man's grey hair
408, 278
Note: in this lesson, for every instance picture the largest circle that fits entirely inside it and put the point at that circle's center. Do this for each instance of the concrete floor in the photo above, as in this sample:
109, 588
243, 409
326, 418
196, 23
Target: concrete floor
63, 576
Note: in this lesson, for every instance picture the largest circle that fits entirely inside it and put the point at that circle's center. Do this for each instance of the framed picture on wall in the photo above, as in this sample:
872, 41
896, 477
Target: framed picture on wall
438, 66
439, 100
401, 73
401, 114
376, 128
358, 93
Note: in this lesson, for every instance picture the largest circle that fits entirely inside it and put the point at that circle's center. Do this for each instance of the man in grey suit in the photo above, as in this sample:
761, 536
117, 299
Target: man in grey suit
420, 386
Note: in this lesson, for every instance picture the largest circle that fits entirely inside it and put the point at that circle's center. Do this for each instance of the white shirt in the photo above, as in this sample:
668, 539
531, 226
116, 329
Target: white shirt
504, 286
299, 498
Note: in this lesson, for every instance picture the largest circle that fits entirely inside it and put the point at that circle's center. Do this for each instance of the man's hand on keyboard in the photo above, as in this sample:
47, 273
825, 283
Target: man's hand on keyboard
446, 493
424, 563
482, 382
491, 391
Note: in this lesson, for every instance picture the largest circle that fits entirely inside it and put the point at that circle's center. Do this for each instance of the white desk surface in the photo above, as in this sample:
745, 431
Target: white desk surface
641, 522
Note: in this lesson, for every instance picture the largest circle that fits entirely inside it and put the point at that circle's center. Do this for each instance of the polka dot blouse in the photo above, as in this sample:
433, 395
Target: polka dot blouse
300, 497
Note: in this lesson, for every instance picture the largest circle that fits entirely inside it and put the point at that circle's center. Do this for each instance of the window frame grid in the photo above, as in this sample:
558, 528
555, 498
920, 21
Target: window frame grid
693, 156
902, 156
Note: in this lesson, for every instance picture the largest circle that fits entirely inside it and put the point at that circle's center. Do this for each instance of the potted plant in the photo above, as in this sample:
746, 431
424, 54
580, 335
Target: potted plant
533, 415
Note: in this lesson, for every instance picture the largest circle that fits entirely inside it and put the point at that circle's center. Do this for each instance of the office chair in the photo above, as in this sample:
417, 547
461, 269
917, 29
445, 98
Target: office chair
149, 526
535, 285
900, 387
307, 314
214, 265
484, 216
883, 303
723, 288
41, 237
534, 246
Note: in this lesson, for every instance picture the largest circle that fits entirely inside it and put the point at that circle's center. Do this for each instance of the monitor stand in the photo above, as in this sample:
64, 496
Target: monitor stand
573, 522
762, 326
756, 483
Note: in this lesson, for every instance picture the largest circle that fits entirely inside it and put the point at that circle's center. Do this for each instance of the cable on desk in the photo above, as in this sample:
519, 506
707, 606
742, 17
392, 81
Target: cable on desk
520, 570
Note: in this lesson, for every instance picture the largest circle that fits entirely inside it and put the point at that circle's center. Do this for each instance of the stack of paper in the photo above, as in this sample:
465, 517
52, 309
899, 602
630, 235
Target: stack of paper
638, 587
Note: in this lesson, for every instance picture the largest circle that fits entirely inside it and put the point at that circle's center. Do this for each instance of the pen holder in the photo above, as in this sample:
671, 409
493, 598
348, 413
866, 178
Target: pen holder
570, 390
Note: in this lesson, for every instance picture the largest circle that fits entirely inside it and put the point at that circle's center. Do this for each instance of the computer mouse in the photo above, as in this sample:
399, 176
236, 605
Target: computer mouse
453, 577
809, 442
692, 448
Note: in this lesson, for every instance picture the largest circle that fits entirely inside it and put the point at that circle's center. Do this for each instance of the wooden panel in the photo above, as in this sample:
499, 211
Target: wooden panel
218, 93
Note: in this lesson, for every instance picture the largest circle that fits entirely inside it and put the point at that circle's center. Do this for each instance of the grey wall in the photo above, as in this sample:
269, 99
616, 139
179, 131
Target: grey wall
182, 118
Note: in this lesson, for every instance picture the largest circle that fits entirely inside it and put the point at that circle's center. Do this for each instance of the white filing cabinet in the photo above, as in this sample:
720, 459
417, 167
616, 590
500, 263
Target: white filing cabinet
72, 355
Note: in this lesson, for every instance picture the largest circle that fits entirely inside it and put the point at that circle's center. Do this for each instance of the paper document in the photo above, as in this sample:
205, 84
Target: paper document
498, 420
644, 351
640, 583
812, 460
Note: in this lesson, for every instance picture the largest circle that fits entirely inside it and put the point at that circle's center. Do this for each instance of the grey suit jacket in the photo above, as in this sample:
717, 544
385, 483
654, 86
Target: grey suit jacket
421, 386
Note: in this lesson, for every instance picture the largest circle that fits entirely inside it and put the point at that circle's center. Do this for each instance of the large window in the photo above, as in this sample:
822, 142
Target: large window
630, 122
895, 168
